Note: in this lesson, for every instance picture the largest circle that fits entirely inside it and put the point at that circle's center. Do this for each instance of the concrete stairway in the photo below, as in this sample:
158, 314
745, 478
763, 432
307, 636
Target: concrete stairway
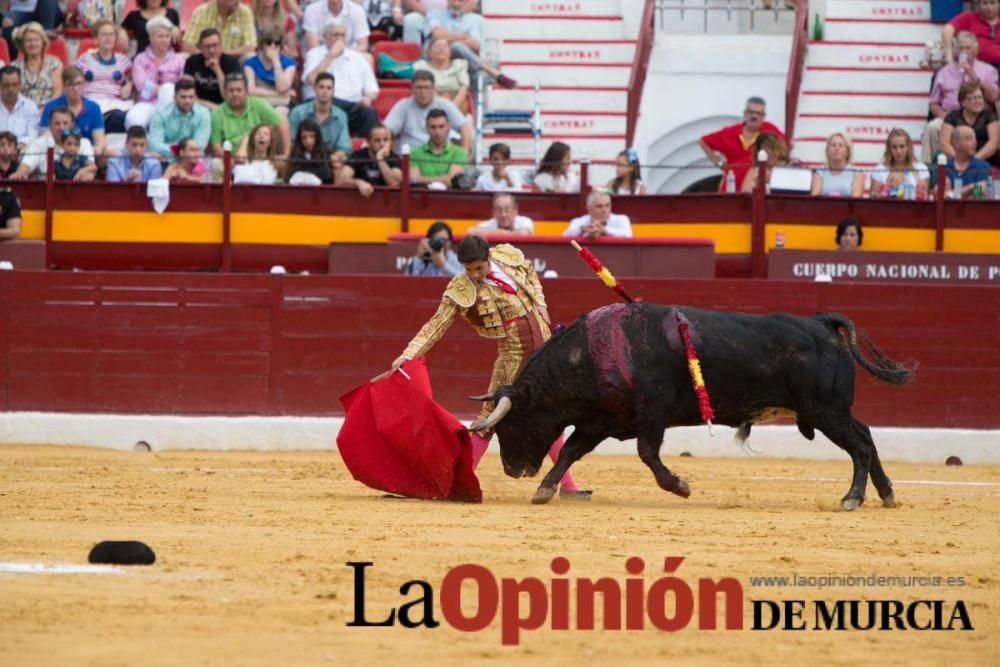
865, 77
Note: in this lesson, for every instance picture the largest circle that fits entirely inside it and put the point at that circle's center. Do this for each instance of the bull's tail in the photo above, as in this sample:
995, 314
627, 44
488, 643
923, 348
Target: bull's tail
880, 366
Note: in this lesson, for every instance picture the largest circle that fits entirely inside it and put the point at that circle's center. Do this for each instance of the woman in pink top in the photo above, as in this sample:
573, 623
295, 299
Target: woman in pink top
108, 75
154, 72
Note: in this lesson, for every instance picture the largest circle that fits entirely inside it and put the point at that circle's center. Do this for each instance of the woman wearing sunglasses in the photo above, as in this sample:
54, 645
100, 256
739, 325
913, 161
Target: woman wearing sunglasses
270, 73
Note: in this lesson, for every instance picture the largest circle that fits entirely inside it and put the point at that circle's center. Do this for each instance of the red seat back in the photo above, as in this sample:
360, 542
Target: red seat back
387, 99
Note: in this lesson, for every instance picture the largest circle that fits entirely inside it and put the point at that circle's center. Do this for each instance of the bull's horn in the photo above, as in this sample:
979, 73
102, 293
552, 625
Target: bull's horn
499, 412
481, 397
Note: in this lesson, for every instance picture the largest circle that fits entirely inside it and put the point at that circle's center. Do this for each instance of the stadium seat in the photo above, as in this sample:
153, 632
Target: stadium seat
4, 52
387, 99
402, 51
393, 83
357, 142
57, 48
187, 9
85, 45
377, 36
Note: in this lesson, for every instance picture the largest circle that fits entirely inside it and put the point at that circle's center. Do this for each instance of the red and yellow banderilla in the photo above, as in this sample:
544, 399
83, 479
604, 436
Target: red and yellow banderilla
694, 366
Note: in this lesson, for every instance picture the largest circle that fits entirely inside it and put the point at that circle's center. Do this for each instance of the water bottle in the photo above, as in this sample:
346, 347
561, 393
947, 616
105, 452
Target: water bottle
730, 182
909, 193
989, 189
996, 189
779, 239
956, 188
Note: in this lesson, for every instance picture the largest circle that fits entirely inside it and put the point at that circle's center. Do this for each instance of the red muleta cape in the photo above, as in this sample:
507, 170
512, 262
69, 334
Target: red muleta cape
395, 438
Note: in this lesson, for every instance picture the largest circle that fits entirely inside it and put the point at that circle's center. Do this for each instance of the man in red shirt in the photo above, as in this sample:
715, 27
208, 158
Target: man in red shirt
984, 24
729, 148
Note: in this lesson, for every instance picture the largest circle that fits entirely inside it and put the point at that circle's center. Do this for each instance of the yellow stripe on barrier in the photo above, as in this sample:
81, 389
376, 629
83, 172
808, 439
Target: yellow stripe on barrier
136, 227
282, 229
33, 225
971, 240
811, 237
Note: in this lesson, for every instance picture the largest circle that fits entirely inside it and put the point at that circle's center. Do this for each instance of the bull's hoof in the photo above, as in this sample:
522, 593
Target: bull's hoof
851, 504
889, 500
681, 488
543, 495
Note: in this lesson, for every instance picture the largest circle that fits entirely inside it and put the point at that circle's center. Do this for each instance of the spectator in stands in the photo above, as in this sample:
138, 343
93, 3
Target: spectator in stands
408, 118
71, 164
374, 164
309, 154
41, 74
356, 84
257, 157
154, 73
234, 22
135, 166
451, 75
234, 119
322, 111
838, 178
271, 14
108, 75
439, 160
270, 73
179, 119
189, 167
34, 161
777, 155
87, 115
500, 177
731, 148
135, 21
849, 234
464, 31
387, 16
10, 215
434, 254
18, 114
964, 164
8, 154
416, 18
210, 67
350, 13
505, 219
984, 24
599, 220
944, 91
554, 173
628, 175
42, 13
975, 114
900, 169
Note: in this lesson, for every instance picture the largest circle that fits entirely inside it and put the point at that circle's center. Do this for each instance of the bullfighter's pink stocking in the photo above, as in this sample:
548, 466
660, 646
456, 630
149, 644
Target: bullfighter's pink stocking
567, 481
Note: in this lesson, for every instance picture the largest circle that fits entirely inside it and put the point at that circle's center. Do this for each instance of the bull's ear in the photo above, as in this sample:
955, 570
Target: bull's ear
482, 397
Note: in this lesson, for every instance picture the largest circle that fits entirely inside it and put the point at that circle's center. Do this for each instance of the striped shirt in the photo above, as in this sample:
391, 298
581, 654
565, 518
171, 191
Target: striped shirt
105, 79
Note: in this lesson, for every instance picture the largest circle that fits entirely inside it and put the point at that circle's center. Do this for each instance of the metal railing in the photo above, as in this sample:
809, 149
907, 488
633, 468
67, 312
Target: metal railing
731, 8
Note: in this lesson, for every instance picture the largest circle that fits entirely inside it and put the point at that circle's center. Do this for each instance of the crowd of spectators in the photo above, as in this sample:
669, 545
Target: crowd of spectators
237, 65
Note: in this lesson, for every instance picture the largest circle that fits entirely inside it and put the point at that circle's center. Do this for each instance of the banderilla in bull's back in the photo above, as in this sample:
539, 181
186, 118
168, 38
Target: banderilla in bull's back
621, 371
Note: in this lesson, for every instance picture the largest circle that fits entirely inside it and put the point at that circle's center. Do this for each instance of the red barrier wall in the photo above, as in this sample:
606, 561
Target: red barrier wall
253, 344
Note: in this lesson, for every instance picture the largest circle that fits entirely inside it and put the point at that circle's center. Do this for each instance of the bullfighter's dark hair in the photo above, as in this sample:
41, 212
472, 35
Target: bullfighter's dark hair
473, 248
848, 222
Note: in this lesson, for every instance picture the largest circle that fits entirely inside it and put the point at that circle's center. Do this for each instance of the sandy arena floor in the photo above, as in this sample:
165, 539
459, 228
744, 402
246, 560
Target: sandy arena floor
252, 547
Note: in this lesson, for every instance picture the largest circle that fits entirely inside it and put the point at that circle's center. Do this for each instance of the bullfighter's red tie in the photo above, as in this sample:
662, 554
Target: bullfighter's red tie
499, 282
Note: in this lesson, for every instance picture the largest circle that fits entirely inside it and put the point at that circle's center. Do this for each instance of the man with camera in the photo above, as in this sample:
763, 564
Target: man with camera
434, 254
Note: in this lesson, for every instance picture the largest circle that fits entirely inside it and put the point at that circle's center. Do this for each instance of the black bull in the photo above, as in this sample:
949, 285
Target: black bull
621, 371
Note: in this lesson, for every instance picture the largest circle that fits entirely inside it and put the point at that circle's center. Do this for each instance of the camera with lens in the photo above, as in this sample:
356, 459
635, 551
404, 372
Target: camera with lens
436, 245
